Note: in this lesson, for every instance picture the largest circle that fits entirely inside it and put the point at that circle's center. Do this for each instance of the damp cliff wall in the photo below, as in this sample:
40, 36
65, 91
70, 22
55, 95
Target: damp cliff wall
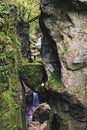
10, 62
64, 53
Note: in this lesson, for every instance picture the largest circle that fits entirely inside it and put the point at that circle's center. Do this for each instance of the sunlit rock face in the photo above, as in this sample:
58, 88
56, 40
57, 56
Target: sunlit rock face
64, 46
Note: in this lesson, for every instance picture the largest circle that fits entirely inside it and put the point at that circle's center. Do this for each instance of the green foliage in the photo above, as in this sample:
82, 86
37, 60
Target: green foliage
1, 22
65, 48
27, 10
10, 60
54, 84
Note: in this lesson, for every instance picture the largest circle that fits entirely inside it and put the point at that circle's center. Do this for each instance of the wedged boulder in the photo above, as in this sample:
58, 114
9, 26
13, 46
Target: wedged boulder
33, 75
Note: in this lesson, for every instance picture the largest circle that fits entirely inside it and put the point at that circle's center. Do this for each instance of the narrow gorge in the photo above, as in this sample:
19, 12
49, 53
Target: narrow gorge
59, 73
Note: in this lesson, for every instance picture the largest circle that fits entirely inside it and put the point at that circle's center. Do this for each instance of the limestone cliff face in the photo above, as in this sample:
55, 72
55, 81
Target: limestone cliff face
64, 53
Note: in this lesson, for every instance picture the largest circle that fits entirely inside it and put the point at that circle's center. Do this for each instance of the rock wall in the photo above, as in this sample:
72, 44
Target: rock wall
23, 32
10, 61
64, 53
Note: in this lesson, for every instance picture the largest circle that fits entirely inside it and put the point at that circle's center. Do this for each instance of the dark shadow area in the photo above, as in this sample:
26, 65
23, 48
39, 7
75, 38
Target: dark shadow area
55, 122
49, 47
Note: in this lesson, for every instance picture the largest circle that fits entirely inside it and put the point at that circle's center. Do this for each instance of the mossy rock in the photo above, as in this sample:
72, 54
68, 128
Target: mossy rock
55, 85
33, 75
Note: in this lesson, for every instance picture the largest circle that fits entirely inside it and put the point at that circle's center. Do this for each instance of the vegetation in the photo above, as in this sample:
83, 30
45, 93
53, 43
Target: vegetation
11, 12
54, 84
29, 11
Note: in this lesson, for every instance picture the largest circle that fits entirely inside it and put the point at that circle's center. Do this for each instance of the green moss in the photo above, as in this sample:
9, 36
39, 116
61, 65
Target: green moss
54, 84
10, 60
65, 48
32, 74
14, 103
4, 110
8, 111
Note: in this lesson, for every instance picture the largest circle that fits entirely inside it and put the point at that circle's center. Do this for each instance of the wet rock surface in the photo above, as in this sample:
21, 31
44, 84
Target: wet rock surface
40, 118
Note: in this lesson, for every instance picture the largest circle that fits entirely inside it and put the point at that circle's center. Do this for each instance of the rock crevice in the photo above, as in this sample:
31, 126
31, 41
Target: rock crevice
64, 54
